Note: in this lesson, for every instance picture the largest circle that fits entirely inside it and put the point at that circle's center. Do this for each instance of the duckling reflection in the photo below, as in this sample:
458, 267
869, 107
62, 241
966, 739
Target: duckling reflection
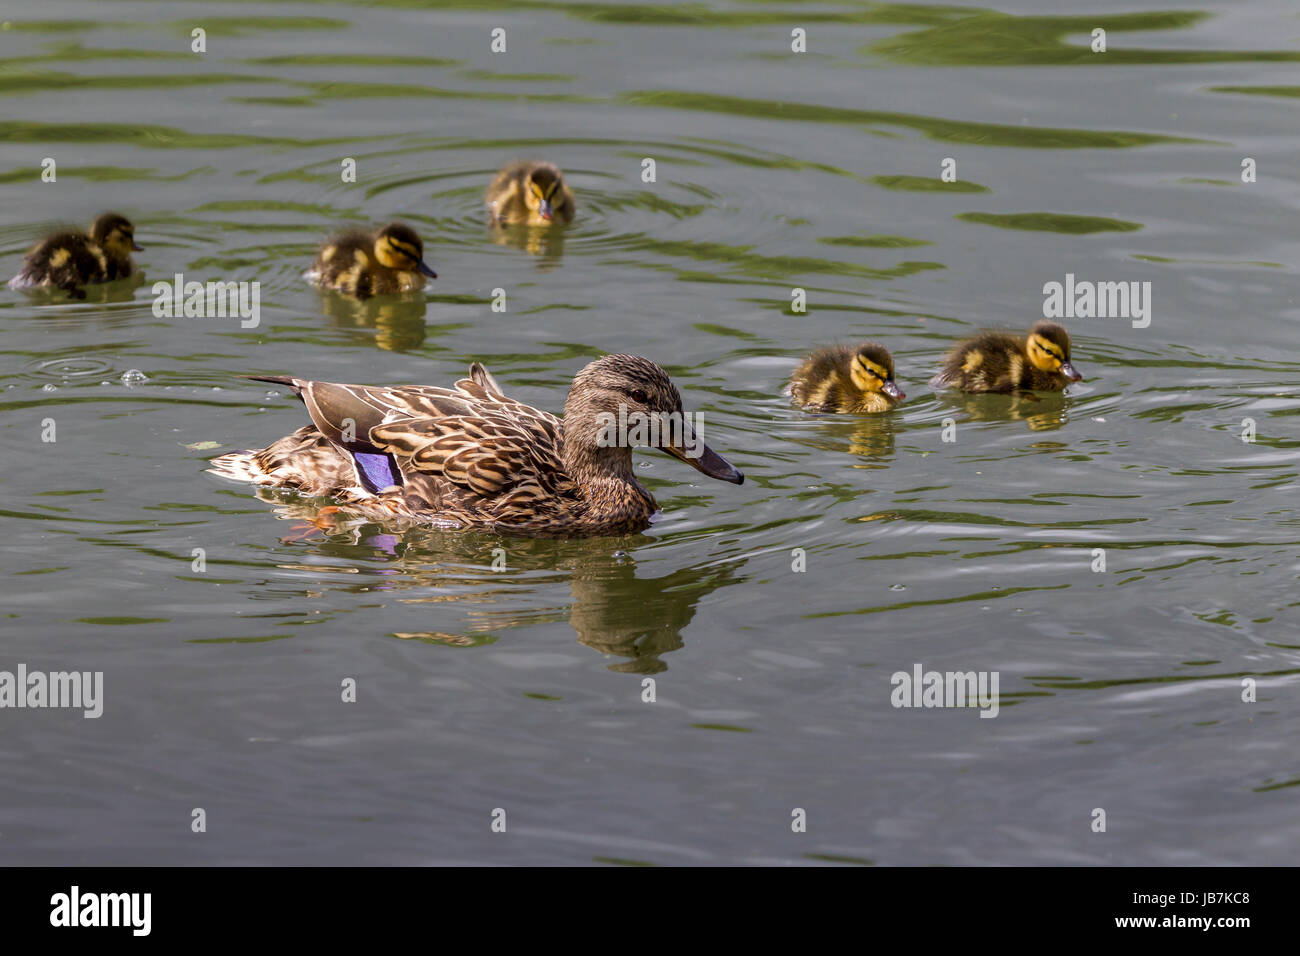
1040, 411
638, 619
541, 241
100, 293
867, 436
397, 321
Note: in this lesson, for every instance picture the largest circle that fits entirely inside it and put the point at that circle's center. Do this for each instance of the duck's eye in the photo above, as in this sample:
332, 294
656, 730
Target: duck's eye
639, 396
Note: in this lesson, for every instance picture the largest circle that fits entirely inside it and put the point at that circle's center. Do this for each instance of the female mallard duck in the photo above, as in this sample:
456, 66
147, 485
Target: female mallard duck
73, 259
1001, 362
385, 262
844, 378
468, 456
533, 194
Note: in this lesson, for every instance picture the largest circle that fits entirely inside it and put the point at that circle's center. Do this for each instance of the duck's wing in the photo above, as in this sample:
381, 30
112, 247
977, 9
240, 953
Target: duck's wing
341, 258
504, 194
346, 413
487, 454
471, 436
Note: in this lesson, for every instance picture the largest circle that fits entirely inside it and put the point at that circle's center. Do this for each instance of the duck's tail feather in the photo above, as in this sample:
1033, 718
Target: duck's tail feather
288, 380
240, 466
480, 374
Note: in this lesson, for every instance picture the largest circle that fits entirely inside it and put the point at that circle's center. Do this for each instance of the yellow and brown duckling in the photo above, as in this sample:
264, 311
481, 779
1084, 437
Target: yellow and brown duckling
529, 193
72, 259
847, 378
1002, 362
470, 457
387, 261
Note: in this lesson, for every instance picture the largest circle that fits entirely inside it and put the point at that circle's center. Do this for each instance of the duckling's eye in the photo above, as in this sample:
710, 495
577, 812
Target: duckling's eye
874, 373
639, 396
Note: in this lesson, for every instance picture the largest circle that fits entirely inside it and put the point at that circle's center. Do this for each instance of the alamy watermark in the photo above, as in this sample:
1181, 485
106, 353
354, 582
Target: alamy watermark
215, 300
1099, 300
922, 688
83, 690
76, 908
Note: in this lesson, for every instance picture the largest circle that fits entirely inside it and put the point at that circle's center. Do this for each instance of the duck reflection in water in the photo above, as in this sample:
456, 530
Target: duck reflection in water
1040, 411
397, 321
869, 437
615, 611
102, 293
545, 242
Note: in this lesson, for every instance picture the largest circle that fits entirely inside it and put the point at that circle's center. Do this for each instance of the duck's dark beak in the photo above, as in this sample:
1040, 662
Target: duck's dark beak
424, 269
136, 247
545, 210
704, 459
893, 391
1070, 372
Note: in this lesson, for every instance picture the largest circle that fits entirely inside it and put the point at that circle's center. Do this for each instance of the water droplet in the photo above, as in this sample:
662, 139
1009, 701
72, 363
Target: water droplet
134, 376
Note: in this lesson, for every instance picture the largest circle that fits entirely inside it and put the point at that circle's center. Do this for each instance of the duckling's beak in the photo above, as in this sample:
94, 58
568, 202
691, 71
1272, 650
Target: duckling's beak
704, 459
425, 270
893, 391
136, 247
545, 210
1070, 372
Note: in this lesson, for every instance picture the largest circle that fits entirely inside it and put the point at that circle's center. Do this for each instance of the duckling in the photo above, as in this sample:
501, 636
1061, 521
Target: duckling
1001, 362
528, 193
846, 378
72, 259
363, 264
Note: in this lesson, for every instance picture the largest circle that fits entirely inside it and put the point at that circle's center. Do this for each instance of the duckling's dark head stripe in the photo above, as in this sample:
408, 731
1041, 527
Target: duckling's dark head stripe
1044, 345
871, 368
876, 359
1049, 333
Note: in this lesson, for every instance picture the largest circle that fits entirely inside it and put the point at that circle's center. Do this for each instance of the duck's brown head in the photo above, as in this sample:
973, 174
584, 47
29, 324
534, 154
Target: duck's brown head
115, 235
620, 402
1048, 347
399, 247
